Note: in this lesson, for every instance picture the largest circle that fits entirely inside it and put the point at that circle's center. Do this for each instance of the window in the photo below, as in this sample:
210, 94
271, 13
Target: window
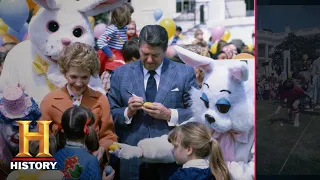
261, 50
185, 6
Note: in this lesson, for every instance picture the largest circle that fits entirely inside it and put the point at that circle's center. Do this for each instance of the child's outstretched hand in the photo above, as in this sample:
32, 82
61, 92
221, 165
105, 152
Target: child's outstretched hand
112, 58
109, 177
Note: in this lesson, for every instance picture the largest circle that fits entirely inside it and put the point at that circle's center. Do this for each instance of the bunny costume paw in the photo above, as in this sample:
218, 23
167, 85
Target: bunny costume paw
240, 170
157, 150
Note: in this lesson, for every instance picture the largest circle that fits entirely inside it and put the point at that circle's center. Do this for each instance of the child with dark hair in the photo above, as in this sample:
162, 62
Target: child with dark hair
176, 36
76, 138
111, 41
219, 55
292, 95
130, 50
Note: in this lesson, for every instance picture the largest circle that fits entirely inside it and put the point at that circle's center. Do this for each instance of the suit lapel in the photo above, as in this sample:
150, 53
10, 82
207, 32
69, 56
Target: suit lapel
167, 77
89, 99
62, 100
137, 78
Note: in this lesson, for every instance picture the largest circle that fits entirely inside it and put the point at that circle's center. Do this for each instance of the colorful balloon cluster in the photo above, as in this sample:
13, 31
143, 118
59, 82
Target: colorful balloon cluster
13, 17
220, 33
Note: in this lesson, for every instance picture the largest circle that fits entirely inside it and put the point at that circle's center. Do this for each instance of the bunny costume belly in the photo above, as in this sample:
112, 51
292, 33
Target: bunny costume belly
18, 69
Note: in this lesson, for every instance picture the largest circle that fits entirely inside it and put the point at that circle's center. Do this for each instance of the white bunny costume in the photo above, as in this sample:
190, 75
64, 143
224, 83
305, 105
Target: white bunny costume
58, 23
225, 103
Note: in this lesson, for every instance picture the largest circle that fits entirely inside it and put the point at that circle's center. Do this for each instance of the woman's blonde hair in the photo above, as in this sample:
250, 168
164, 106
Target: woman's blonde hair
79, 55
121, 16
198, 136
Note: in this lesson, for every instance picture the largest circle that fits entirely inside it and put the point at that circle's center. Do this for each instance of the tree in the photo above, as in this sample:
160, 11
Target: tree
298, 46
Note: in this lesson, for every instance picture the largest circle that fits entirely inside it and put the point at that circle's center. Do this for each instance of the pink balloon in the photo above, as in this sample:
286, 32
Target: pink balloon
99, 30
25, 37
217, 33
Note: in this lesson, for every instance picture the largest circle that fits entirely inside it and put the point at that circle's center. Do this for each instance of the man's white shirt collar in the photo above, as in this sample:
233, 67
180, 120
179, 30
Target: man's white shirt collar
158, 70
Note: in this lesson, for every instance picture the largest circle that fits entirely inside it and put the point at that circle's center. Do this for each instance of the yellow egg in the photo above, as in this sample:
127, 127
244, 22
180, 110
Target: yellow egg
114, 147
147, 103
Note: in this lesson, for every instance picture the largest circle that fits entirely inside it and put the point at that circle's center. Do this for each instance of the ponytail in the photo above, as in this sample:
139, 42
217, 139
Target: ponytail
217, 164
92, 140
60, 139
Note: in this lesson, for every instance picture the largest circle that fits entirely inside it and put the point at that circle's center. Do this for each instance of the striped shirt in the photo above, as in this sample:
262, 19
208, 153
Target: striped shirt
113, 37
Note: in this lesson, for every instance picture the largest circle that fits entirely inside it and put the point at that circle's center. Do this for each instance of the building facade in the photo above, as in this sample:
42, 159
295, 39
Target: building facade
190, 12
268, 40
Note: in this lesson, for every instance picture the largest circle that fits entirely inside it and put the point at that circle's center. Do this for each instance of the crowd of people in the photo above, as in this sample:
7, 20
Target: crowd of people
86, 122
299, 89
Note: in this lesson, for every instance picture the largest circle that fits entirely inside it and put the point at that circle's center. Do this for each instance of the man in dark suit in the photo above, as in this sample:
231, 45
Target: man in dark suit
154, 79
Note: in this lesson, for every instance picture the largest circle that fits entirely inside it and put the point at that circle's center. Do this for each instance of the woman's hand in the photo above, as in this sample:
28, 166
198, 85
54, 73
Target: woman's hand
99, 154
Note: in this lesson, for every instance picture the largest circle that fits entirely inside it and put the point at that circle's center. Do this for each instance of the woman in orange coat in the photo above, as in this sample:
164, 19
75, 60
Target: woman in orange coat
78, 62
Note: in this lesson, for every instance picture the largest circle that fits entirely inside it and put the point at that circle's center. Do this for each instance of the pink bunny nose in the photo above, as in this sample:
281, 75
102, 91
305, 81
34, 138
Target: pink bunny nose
65, 41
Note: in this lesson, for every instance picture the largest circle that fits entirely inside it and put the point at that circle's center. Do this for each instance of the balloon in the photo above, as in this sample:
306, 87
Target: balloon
250, 47
19, 34
157, 14
217, 33
214, 48
181, 37
7, 38
13, 33
31, 4
14, 13
305, 57
99, 30
3, 26
169, 25
92, 21
226, 35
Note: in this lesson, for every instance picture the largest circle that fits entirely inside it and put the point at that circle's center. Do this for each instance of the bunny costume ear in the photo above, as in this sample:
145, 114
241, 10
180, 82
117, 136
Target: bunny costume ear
92, 7
47, 4
240, 71
194, 59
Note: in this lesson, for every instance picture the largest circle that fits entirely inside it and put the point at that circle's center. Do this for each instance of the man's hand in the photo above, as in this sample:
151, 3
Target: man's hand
135, 103
99, 154
158, 111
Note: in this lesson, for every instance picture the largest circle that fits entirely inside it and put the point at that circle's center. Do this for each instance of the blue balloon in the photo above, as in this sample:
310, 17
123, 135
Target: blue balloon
14, 13
157, 14
13, 33
19, 34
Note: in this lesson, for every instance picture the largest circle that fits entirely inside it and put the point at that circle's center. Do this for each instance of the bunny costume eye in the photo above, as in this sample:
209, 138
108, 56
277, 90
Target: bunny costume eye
205, 100
78, 32
52, 26
223, 105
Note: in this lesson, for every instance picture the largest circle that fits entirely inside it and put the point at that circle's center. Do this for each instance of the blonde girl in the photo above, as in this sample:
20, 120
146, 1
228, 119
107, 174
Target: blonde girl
198, 152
